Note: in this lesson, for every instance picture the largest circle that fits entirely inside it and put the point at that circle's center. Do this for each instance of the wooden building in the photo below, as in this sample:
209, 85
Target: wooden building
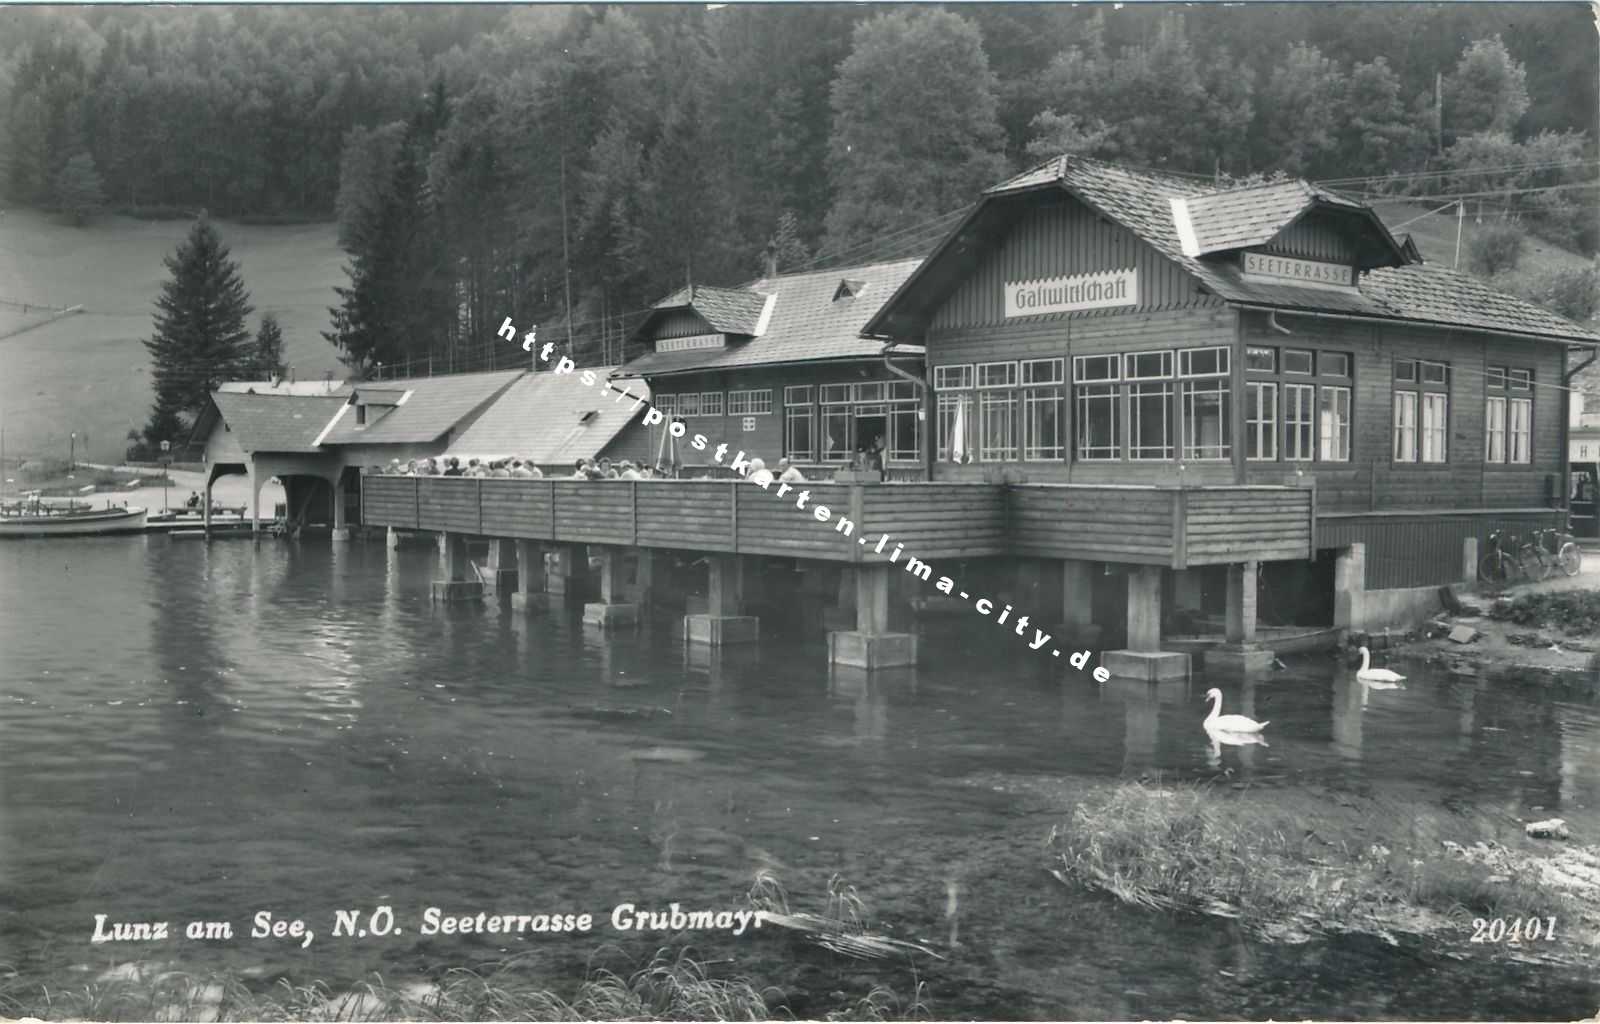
1088, 323
779, 369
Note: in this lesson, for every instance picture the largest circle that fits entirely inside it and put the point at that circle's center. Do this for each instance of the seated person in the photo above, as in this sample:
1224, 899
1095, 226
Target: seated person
580, 470
452, 467
787, 474
499, 470
627, 472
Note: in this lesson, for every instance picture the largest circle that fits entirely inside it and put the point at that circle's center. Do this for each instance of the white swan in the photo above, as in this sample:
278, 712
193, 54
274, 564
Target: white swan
1367, 674
1228, 723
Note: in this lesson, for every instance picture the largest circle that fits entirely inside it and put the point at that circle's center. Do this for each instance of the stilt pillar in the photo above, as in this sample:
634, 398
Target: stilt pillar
255, 502
1077, 603
644, 572
722, 624
457, 584
870, 645
530, 595
1350, 588
1143, 658
612, 609
1240, 653
392, 538
500, 575
206, 502
341, 529
559, 569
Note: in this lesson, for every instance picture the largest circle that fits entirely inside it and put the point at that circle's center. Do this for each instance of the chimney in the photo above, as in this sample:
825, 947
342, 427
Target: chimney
772, 262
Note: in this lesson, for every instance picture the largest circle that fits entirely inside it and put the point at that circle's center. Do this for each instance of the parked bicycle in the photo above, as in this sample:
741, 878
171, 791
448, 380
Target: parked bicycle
1561, 549
1501, 564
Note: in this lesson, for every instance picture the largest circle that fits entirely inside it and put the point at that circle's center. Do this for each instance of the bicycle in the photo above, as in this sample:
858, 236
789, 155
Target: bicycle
1563, 550
1498, 565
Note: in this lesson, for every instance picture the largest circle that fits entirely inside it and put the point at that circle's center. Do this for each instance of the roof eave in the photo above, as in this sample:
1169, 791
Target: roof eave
1564, 339
875, 327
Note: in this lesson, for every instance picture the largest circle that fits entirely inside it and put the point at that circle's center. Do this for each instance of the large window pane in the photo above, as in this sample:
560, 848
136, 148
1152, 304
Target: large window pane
1521, 432
799, 432
1206, 420
1099, 422
1261, 421
1045, 435
1334, 424
905, 433
1150, 421
837, 433
949, 404
998, 440
1405, 426
1298, 422
1435, 423
1494, 430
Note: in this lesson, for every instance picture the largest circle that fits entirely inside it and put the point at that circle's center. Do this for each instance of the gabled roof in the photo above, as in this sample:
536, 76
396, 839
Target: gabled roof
1143, 202
275, 423
379, 395
728, 310
435, 405
286, 387
546, 418
806, 324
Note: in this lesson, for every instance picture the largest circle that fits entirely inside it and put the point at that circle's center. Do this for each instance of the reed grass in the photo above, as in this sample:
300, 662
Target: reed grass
1287, 866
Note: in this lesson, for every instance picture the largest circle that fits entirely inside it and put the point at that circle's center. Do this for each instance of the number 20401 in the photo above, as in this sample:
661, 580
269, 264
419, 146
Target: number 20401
1515, 930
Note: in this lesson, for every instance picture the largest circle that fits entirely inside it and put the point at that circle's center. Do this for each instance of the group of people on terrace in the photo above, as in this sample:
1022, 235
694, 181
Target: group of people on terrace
583, 469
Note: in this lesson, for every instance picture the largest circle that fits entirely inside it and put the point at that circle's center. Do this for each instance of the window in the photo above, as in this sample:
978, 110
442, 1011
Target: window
799, 423
750, 403
1334, 424
1494, 429
997, 415
1434, 373
1044, 435
711, 403
1298, 422
952, 378
872, 391
1261, 420
1521, 431
1204, 394
1405, 371
1260, 359
1405, 426
1098, 406
1435, 424
689, 404
361, 415
1495, 378
1150, 426
1334, 364
838, 425
997, 375
954, 405
1298, 360
1147, 366
905, 432
668, 404
1519, 380
1044, 371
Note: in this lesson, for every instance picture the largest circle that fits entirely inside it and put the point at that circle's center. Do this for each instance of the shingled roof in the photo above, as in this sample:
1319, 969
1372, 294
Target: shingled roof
546, 417
275, 423
728, 310
431, 407
807, 323
1144, 201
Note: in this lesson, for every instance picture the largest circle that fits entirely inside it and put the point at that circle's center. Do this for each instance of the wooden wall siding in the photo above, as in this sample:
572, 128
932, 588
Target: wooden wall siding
1059, 238
681, 323
389, 501
1315, 237
1422, 550
1270, 524
685, 514
770, 525
1372, 480
449, 504
517, 508
938, 520
594, 511
1106, 524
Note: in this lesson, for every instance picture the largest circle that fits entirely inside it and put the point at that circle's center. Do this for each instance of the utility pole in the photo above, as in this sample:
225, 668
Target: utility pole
1461, 216
1438, 111
566, 261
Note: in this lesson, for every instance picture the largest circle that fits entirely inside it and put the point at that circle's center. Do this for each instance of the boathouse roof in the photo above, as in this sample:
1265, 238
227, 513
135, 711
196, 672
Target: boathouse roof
815, 316
271, 422
427, 409
551, 419
1192, 223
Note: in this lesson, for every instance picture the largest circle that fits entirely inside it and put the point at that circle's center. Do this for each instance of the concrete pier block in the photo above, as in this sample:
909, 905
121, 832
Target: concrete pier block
530, 601
606, 616
499, 581
1245, 658
872, 651
1150, 665
451, 591
718, 630
340, 533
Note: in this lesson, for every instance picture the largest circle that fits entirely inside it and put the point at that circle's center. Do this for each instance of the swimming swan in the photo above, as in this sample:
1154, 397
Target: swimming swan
1229, 723
1375, 675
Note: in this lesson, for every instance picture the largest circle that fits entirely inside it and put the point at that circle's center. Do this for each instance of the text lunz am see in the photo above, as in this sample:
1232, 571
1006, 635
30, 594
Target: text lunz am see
380, 923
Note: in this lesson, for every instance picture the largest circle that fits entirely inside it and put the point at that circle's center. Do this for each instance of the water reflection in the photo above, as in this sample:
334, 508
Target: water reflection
270, 706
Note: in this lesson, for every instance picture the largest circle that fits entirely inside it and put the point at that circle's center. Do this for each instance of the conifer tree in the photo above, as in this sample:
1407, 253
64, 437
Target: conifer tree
268, 361
200, 338
78, 190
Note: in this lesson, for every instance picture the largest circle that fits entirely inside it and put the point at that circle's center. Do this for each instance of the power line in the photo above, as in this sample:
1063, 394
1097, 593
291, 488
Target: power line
1487, 194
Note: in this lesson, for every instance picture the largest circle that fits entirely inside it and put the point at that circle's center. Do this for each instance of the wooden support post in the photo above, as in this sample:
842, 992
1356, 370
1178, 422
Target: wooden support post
500, 574
341, 531
1144, 609
872, 599
722, 624
458, 583
723, 595
1241, 612
1077, 595
530, 595
612, 609
870, 645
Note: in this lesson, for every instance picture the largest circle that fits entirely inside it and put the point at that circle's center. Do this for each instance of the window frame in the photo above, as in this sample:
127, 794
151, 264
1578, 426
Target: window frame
710, 400
750, 402
1519, 454
1308, 423
1495, 421
1256, 428
1343, 426
1311, 362
799, 407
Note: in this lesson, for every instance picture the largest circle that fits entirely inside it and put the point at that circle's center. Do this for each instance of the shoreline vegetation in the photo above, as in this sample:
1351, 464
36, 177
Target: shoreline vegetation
1548, 632
1291, 866
52, 479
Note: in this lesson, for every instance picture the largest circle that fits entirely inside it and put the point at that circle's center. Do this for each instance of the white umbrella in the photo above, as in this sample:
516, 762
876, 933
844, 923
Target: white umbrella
958, 443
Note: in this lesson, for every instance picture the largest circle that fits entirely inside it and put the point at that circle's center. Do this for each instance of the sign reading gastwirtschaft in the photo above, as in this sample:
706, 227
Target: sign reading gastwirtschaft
1069, 294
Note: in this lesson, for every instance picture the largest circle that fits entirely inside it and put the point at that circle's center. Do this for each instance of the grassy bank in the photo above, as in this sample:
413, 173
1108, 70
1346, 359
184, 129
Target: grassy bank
52, 478
1574, 612
671, 986
1289, 865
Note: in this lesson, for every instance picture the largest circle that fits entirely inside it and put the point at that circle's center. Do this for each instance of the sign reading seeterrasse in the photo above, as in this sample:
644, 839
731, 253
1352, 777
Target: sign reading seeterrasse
1069, 294
694, 341
1282, 268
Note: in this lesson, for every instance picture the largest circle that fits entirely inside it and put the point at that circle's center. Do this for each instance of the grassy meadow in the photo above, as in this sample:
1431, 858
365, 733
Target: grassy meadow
88, 372
1435, 235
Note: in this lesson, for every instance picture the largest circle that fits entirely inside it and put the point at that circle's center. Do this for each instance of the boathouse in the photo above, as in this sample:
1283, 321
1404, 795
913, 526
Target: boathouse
779, 368
1239, 350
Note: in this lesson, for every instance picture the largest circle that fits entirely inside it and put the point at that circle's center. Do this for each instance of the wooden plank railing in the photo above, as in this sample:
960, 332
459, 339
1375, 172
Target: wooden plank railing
1174, 527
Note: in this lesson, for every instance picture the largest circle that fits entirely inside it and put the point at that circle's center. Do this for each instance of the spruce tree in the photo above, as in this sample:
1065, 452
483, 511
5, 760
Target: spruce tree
78, 190
200, 338
268, 361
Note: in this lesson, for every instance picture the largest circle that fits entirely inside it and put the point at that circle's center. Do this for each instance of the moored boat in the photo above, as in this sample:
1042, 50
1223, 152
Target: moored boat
39, 519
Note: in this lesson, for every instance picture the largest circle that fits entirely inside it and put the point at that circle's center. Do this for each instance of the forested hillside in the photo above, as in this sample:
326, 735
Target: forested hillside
572, 164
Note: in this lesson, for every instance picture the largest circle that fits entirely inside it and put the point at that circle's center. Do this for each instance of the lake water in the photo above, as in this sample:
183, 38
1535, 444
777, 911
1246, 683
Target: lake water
192, 732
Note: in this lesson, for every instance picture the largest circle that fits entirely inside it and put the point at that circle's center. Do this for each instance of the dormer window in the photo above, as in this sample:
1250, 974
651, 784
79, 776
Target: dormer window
849, 288
361, 415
